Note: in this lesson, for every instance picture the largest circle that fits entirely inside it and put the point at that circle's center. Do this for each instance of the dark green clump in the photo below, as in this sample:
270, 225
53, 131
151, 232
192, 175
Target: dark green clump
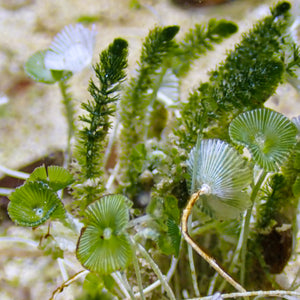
245, 80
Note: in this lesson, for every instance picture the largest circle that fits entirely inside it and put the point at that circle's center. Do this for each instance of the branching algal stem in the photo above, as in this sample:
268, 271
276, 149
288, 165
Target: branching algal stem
190, 241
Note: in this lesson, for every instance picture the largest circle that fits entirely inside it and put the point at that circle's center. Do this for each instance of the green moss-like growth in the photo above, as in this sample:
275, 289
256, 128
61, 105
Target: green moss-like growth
91, 139
135, 116
198, 40
245, 80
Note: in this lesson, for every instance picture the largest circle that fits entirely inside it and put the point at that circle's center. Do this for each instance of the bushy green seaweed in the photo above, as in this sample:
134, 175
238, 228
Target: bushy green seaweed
166, 152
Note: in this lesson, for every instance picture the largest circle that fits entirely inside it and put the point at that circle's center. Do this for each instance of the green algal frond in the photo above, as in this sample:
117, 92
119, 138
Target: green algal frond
156, 48
268, 135
91, 139
36, 70
174, 235
33, 203
293, 60
103, 246
55, 177
292, 65
198, 40
245, 80
142, 91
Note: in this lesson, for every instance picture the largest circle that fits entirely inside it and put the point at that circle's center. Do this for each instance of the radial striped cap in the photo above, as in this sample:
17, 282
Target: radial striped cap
103, 246
268, 135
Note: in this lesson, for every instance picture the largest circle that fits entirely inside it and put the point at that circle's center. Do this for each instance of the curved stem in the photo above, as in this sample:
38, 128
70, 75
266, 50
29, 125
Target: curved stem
14, 173
14, 239
172, 268
62, 269
189, 240
68, 282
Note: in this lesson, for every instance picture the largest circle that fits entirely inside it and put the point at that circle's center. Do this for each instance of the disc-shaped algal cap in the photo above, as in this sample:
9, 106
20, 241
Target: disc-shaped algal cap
71, 49
34, 203
104, 246
55, 176
218, 168
268, 135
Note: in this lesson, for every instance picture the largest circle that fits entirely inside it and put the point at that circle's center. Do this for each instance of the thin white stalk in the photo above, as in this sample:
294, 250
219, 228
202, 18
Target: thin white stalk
119, 281
112, 136
138, 276
128, 286
73, 223
157, 283
112, 177
14, 173
193, 270
156, 270
275, 293
149, 288
62, 269
19, 240
70, 264
139, 220
172, 268
212, 284
6, 191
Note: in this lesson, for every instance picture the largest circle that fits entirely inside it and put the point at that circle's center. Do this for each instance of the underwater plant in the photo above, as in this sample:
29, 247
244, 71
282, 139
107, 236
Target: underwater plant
216, 171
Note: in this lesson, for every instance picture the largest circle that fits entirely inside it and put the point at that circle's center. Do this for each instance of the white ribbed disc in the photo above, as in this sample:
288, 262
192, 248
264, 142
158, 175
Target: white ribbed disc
218, 166
71, 50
